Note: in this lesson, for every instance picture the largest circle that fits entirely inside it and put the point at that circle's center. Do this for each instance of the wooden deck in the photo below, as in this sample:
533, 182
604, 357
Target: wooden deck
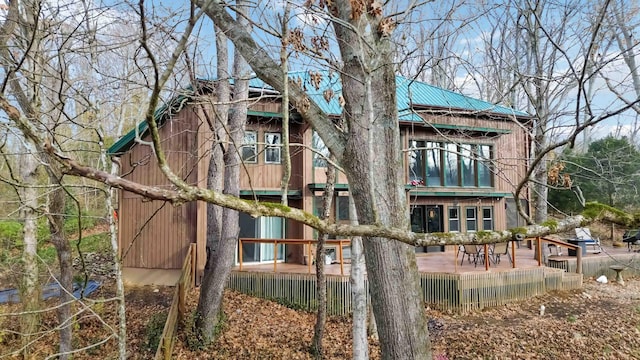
445, 283
443, 262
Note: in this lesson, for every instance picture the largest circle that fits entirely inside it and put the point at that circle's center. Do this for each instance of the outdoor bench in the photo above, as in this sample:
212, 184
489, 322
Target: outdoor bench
632, 238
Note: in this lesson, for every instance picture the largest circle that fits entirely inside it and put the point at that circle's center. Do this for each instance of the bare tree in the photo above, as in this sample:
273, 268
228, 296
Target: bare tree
321, 278
215, 277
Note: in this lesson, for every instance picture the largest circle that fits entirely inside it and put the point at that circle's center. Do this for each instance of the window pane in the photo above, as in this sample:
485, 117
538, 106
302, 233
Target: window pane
471, 220
322, 153
317, 202
484, 166
272, 148
249, 146
454, 219
416, 163
468, 166
451, 165
417, 219
433, 164
487, 218
343, 207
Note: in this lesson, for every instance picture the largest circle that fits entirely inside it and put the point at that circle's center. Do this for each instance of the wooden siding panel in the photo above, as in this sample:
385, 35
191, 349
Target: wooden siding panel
263, 176
163, 242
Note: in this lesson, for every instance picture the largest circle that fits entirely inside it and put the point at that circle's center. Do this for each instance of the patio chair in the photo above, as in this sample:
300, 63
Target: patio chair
585, 235
473, 253
500, 249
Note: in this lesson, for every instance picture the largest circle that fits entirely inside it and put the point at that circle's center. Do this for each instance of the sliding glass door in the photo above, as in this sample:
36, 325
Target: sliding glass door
264, 227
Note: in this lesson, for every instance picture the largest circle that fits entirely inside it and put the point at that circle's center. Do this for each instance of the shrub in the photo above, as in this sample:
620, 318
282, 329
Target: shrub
153, 330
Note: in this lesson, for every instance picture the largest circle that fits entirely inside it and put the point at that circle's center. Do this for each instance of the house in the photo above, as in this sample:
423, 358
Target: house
463, 159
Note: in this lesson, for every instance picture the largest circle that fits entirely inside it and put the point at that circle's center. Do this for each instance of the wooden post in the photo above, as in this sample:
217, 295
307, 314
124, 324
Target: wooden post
240, 253
275, 256
539, 245
194, 265
579, 260
486, 257
455, 259
309, 259
341, 259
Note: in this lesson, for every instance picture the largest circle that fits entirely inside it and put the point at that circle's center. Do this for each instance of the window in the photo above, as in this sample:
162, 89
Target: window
416, 162
434, 161
321, 152
484, 166
249, 147
454, 219
471, 218
449, 164
342, 207
272, 148
318, 203
468, 168
487, 218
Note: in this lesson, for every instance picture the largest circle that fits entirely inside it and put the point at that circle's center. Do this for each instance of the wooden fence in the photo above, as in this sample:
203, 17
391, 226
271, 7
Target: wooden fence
596, 266
444, 291
178, 306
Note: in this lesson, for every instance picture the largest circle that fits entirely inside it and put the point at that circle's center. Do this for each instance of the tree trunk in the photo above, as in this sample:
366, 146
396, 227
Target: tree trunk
215, 277
373, 164
30, 290
321, 278
63, 250
284, 64
115, 253
358, 292
215, 173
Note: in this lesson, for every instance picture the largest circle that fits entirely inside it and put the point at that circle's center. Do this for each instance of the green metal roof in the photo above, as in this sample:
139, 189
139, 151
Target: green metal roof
410, 94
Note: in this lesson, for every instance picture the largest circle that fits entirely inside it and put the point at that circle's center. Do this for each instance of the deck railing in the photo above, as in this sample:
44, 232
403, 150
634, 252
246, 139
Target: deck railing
339, 242
444, 291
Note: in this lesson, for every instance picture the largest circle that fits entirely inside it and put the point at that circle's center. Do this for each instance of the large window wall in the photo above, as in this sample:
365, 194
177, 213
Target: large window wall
433, 163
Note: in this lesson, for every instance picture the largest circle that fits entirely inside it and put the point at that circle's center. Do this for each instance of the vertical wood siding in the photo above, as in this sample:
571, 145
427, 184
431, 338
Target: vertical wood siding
154, 234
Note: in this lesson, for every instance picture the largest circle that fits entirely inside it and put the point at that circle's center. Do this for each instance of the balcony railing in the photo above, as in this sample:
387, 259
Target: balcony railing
276, 242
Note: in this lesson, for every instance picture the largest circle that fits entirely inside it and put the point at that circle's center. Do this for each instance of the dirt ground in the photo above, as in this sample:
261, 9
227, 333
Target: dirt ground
601, 321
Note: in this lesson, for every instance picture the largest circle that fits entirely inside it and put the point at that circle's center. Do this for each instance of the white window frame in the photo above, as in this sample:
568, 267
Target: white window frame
254, 146
490, 218
457, 219
474, 219
272, 146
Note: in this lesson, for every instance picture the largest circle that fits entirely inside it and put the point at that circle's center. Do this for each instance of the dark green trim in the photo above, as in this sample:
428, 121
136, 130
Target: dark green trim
291, 193
470, 128
321, 186
294, 117
422, 191
264, 114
